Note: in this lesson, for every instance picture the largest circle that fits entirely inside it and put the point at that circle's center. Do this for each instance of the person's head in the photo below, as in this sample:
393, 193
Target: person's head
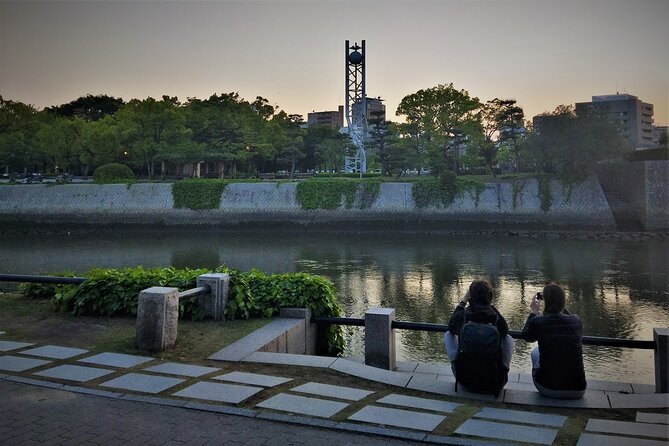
480, 292
554, 299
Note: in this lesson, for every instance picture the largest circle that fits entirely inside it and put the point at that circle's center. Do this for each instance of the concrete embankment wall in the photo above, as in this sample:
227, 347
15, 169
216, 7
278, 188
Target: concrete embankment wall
511, 204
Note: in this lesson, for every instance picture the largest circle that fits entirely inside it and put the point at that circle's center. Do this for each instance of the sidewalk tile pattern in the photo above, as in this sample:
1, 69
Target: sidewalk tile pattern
10, 363
6, 346
639, 401
253, 379
303, 405
518, 416
398, 418
142, 383
659, 418
173, 368
340, 392
224, 393
512, 432
371, 373
627, 428
588, 439
74, 373
116, 360
419, 403
54, 352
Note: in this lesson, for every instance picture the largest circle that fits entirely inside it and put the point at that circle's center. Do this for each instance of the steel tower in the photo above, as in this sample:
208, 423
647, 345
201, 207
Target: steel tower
356, 106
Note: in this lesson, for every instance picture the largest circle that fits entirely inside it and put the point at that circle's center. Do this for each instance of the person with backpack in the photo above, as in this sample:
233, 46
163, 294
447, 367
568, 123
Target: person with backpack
478, 343
557, 362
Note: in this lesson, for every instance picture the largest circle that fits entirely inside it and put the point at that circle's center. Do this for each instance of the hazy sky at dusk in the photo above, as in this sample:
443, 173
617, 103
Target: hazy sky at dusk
542, 53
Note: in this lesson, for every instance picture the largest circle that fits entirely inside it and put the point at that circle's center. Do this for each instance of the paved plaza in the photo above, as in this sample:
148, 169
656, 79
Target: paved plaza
61, 395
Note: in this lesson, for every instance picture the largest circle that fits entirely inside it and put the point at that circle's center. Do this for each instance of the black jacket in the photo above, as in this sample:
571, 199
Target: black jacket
477, 313
560, 350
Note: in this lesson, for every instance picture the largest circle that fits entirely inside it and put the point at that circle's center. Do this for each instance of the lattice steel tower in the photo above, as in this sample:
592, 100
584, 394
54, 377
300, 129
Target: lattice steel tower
356, 106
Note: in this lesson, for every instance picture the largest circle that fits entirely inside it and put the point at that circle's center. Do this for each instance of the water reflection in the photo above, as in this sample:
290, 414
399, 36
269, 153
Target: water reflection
620, 289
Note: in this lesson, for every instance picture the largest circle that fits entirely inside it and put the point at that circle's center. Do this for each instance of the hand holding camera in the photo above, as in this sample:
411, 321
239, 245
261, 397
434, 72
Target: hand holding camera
535, 306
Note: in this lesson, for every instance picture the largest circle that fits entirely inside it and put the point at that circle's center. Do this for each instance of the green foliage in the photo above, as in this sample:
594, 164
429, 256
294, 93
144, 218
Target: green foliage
516, 188
442, 191
198, 194
545, 192
328, 193
113, 173
114, 292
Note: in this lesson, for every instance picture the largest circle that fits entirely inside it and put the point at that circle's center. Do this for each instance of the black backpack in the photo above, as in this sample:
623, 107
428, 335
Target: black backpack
479, 365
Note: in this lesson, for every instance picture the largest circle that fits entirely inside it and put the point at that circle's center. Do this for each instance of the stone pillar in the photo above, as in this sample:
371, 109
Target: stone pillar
380, 338
213, 304
301, 342
157, 318
661, 338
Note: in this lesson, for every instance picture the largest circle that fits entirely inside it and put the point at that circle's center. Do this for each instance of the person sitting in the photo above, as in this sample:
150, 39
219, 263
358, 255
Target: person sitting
557, 362
481, 362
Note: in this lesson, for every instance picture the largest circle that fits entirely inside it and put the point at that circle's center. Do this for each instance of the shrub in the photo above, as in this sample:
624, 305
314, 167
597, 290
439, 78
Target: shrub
442, 191
113, 173
198, 193
329, 193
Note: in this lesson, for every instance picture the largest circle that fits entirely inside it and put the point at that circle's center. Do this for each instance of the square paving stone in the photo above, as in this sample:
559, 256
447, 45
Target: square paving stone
344, 393
116, 360
173, 368
512, 432
627, 428
303, 405
290, 359
6, 346
588, 439
225, 393
398, 417
17, 364
419, 403
593, 399
54, 352
142, 383
639, 401
370, 373
519, 416
658, 418
253, 379
74, 373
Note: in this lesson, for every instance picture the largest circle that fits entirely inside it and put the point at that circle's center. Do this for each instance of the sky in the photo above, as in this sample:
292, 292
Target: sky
542, 53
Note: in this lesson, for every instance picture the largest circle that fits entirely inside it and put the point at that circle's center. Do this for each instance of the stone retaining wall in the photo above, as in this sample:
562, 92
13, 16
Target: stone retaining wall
507, 203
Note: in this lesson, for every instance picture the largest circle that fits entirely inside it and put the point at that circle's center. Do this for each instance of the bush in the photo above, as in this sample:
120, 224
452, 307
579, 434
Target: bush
441, 192
198, 194
114, 292
329, 193
113, 173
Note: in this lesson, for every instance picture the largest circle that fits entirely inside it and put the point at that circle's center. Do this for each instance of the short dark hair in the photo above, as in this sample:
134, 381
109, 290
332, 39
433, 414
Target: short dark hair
554, 298
481, 292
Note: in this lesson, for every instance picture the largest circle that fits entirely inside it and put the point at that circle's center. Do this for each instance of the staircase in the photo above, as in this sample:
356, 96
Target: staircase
625, 213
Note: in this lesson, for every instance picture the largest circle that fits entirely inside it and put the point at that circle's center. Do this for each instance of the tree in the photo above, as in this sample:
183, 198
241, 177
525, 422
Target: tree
150, 128
19, 124
100, 143
441, 118
571, 146
60, 139
381, 139
290, 146
89, 107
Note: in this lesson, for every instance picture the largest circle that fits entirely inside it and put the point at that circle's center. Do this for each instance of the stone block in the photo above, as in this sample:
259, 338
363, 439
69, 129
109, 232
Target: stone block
6, 346
157, 318
213, 304
657, 418
139, 382
116, 360
306, 406
172, 368
588, 439
327, 390
74, 373
661, 338
639, 401
370, 373
593, 399
54, 352
253, 379
419, 403
288, 359
380, 338
256, 341
224, 393
17, 364
302, 340
629, 428
511, 432
399, 418
518, 416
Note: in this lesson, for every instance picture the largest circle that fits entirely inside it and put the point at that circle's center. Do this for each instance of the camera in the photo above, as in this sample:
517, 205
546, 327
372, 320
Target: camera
540, 296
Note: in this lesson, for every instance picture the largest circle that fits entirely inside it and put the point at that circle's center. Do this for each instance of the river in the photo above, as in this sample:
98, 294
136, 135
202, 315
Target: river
618, 288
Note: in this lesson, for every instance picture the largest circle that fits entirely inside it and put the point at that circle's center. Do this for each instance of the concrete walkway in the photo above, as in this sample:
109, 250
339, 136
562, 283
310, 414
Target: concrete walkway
75, 396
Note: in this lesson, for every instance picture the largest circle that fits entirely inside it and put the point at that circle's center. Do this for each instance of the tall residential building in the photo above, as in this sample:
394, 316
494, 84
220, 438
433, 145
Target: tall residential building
635, 115
334, 119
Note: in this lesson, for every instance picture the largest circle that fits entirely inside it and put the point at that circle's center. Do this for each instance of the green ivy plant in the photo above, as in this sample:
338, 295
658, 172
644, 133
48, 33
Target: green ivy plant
441, 192
318, 193
545, 192
198, 193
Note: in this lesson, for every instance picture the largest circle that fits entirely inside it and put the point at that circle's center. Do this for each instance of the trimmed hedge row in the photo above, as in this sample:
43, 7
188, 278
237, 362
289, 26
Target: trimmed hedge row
114, 292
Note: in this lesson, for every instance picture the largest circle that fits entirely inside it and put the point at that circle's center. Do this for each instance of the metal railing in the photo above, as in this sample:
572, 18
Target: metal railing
23, 278
441, 328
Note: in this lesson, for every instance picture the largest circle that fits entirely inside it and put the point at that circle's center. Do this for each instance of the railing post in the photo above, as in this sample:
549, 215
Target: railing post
380, 338
661, 338
213, 304
157, 318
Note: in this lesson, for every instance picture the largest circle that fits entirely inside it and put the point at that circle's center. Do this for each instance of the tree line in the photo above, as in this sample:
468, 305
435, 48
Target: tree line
445, 131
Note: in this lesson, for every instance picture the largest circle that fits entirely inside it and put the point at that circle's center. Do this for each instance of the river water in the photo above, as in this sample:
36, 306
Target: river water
618, 288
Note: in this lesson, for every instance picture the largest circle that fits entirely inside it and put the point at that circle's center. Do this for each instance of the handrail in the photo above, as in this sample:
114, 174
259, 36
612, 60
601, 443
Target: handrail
441, 328
21, 278
193, 292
